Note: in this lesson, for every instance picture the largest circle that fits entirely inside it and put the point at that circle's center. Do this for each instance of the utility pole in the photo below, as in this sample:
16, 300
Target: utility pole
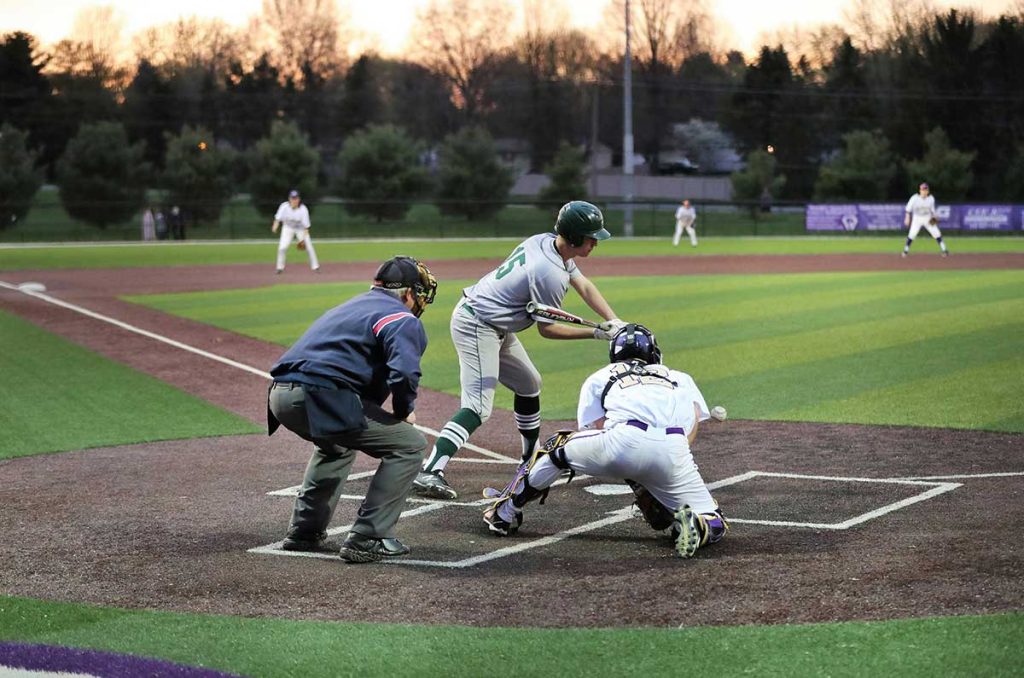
627, 133
594, 120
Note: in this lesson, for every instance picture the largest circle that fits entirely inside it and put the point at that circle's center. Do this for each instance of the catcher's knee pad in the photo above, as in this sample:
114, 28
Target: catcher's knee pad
554, 447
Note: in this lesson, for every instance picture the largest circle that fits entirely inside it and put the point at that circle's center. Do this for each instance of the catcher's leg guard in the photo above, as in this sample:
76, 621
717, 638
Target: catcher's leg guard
505, 515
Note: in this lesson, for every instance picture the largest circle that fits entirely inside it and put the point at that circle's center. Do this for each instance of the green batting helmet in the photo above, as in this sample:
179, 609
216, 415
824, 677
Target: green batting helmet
578, 220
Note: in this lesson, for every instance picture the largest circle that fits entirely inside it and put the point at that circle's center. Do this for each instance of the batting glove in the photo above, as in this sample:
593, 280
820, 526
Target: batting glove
607, 330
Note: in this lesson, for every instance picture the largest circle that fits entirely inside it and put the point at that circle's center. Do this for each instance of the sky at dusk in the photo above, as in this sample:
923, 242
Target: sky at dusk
387, 22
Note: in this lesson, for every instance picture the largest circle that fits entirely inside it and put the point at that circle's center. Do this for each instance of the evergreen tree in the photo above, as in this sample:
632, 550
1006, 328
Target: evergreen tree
567, 178
380, 174
101, 176
471, 181
198, 174
282, 161
946, 169
757, 182
861, 171
19, 178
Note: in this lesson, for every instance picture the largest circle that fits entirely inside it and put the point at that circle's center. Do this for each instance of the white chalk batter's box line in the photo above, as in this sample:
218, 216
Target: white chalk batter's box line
934, 488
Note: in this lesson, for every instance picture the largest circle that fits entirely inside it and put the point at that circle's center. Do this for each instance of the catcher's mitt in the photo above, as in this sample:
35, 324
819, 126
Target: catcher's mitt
933, 221
653, 511
302, 245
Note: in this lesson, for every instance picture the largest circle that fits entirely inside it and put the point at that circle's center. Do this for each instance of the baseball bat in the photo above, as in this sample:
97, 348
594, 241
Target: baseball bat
557, 314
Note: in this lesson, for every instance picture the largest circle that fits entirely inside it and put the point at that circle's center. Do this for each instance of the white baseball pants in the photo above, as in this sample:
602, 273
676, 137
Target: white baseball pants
288, 234
659, 461
690, 231
917, 224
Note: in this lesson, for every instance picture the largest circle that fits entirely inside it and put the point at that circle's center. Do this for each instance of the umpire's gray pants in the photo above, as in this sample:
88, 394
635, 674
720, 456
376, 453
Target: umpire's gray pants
397, 444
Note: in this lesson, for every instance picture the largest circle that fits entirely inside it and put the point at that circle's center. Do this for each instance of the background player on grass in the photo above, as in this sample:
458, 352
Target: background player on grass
292, 218
921, 214
488, 316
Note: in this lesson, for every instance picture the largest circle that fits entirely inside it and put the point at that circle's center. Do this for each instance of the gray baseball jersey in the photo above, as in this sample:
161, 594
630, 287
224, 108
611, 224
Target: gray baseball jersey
535, 271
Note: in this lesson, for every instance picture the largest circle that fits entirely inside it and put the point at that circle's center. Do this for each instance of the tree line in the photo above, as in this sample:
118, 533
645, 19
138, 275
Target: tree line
846, 111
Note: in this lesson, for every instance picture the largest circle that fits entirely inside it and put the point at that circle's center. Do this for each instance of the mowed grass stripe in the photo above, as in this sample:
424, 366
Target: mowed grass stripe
757, 344
897, 376
946, 402
243, 252
59, 396
938, 646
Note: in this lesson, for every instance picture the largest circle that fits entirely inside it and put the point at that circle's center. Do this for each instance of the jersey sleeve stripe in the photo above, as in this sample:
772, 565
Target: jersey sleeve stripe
388, 319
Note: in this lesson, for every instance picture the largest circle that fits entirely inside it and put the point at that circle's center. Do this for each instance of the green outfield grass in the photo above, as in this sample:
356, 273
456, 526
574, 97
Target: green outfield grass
928, 348
944, 646
59, 396
197, 254
47, 221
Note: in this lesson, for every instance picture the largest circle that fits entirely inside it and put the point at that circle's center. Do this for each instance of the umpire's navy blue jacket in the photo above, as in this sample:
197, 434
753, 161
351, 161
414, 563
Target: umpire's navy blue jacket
371, 344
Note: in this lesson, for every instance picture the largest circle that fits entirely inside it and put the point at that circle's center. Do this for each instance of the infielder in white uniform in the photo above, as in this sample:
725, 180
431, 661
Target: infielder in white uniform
921, 213
685, 216
638, 419
293, 219
484, 326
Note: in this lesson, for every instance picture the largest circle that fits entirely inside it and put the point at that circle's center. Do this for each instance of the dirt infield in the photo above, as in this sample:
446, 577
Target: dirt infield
170, 525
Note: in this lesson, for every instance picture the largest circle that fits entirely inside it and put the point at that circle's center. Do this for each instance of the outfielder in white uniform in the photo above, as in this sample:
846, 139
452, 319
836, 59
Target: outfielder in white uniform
638, 419
685, 216
921, 213
484, 326
293, 219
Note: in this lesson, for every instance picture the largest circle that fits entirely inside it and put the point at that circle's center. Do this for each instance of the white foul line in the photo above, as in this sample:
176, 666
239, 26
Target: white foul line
968, 476
206, 354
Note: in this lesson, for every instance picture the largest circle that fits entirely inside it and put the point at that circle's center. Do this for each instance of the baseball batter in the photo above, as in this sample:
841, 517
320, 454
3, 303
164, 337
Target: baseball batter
921, 213
685, 216
293, 219
484, 326
639, 419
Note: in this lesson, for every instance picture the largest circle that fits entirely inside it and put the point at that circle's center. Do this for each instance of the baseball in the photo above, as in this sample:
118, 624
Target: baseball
718, 412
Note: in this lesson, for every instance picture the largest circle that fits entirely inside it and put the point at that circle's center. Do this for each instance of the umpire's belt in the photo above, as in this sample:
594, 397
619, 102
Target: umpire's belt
469, 309
643, 427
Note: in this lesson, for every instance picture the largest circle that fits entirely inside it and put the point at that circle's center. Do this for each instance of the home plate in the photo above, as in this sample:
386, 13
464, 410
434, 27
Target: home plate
607, 489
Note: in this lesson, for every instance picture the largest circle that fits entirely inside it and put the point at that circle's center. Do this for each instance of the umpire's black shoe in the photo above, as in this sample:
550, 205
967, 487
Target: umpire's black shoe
304, 541
360, 549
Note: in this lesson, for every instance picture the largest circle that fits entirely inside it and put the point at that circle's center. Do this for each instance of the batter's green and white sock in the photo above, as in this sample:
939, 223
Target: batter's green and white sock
453, 436
527, 410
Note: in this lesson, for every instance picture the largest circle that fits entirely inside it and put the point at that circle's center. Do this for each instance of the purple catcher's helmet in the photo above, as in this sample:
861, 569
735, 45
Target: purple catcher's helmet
634, 342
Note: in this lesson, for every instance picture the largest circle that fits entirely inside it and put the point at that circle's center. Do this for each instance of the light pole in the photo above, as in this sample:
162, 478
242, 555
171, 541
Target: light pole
627, 134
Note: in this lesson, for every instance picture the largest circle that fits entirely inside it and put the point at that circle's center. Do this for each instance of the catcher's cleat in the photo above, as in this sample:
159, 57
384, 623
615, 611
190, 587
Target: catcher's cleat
304, 541
360, 549
498, 525
689, 535
433, 485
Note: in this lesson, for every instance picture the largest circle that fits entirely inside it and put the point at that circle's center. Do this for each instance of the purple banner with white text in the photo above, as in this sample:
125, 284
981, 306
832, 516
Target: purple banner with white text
889, 217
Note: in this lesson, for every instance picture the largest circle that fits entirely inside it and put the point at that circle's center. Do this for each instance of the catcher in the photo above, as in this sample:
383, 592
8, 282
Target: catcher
642, 418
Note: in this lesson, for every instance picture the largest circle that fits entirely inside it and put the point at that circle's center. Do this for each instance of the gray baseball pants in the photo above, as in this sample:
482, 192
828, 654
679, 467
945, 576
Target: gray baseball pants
396, 443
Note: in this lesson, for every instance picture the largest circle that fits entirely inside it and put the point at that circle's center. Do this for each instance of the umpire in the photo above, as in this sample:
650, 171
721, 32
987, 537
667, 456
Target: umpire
328, 389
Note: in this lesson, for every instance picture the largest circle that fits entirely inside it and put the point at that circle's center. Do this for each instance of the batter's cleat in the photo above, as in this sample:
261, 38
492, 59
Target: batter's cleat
903, 255
945, 253
279, 271
688, 533
304, 541
500, 526
433, 485
360, 549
